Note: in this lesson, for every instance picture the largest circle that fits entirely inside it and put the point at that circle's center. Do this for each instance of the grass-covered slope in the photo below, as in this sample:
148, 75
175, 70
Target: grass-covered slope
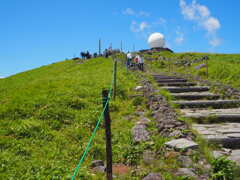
47, 116
224, 68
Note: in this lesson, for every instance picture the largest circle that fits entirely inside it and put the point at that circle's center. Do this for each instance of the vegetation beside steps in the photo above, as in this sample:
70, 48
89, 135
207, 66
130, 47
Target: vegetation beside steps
192, 65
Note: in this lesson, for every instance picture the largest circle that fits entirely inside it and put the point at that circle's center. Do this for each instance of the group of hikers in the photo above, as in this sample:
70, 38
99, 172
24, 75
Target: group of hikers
135, 60
85, 55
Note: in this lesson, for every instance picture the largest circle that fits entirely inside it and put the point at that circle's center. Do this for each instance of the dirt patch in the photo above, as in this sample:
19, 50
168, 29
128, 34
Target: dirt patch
121, 169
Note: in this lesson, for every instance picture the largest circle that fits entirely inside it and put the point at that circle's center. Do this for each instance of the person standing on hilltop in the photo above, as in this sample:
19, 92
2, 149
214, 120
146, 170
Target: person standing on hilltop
136, 60
141, 63
129, 59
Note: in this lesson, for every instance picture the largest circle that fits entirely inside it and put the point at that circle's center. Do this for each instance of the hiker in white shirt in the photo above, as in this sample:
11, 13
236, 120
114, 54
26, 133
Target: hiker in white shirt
129, 59
141, 63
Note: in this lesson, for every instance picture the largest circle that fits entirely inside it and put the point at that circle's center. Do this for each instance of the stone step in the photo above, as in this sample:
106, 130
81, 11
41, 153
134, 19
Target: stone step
217, 104
214, 115
177, 84
186, 89
170, 80
225, 134
165, 77
195, 95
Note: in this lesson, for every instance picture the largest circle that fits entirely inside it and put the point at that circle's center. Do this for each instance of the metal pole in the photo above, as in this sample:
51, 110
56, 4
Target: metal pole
108, 134
99, 45
115, 80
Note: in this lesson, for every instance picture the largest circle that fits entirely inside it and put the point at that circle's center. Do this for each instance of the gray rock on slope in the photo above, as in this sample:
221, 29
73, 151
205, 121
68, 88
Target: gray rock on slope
139, 133
181, 144
153, 176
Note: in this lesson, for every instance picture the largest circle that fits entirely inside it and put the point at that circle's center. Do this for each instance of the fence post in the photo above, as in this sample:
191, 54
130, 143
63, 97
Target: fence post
115, 80
108, 134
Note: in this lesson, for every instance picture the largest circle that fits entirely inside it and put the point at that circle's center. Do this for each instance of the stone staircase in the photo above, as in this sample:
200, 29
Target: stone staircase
216, 119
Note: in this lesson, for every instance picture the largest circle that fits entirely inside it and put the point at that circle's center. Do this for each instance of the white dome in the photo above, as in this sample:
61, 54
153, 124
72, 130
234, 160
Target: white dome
156, 40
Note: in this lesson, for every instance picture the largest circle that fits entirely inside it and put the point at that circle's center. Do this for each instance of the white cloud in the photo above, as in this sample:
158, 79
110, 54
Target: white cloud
194, 11
214, 42
211, 24
202, 16
143, 26
1, 77
203, 10
160, 21
179, 40
139, 27
131, 12
143, 13
180, 36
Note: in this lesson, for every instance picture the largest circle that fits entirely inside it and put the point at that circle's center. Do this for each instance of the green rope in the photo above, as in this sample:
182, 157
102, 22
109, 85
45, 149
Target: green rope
94, 132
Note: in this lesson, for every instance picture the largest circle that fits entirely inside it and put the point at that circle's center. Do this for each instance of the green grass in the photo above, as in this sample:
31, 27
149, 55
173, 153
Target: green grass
47, 116
224, 68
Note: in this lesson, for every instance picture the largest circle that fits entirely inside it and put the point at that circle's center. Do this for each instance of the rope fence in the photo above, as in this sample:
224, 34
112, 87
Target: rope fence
112, 90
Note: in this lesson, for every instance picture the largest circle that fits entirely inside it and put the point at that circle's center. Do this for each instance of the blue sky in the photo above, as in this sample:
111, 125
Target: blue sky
35, 33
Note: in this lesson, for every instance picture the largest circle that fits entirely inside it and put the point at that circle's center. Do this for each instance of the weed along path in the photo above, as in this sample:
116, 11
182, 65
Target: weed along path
216, 120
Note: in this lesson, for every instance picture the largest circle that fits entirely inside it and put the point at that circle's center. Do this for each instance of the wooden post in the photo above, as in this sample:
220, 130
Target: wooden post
115, 80
108, 134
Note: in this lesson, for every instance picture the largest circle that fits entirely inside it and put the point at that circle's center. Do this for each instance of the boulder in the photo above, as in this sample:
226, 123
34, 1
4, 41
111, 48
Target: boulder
186, 172
99, 169
200, 66
181, 144
139, 133
185, 161
138, 88
97, 163
153, 176
148, 157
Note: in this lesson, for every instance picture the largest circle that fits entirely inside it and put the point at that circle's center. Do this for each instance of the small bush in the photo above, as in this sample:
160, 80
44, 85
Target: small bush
223, 169
138, 101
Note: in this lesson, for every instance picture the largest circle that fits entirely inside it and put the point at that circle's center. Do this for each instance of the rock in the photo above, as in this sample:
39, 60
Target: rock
185, 161
153, 176
139, 133
140, 113
181, 144
217, 154
138, 88
235, 156
148, 157
144, 121
200, 66
97, 163
99, 169
186, 172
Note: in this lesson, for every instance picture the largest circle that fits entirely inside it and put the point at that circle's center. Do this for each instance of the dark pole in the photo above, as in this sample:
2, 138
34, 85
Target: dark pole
108, 134
115, 80
99, 46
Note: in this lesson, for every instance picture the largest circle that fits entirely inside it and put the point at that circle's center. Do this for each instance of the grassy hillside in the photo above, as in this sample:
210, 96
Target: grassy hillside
224, 68
47, 116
